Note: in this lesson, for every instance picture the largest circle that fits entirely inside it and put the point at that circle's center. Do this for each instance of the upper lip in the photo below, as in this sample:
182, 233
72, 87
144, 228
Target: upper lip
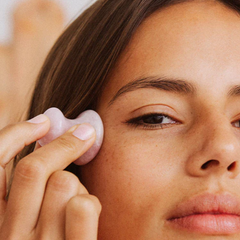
207, 204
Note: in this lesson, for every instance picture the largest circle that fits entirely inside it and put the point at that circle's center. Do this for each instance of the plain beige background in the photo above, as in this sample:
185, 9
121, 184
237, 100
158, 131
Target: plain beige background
71, 9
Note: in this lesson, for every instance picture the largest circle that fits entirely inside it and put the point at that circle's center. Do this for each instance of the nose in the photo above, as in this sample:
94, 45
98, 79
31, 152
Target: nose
215, 150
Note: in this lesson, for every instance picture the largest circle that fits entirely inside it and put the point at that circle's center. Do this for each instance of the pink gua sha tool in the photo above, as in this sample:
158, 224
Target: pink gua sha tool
59, 125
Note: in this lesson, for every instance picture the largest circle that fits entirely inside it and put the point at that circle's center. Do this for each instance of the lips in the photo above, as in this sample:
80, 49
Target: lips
208, 214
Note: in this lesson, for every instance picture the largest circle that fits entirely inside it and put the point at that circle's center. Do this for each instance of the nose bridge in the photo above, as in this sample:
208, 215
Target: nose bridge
217, 147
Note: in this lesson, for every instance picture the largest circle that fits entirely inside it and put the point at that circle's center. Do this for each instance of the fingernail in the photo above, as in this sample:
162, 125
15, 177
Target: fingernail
38, 119
84, 132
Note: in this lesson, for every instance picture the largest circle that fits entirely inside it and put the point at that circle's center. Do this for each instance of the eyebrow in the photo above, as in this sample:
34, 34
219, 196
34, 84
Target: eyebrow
160, 83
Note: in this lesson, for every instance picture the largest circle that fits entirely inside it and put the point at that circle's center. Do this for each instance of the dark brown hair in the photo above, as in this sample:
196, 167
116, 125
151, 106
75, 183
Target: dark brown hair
77, 67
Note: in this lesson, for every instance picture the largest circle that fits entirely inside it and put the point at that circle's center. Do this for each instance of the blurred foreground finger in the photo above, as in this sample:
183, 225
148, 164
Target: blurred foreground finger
61, 187
14, 138
82, 216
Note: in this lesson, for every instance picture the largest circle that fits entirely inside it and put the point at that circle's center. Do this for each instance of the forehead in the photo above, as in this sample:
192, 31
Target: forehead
196, 40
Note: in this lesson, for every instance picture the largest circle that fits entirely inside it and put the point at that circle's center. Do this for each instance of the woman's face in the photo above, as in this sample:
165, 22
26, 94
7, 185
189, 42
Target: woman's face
169, 165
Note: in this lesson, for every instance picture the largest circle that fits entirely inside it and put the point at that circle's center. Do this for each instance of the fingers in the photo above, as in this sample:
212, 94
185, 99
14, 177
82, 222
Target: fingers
61, 187
82, 216
33, 172
14, 138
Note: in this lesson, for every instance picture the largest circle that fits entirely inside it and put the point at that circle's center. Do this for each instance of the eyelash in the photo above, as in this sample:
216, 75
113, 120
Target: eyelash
139, 121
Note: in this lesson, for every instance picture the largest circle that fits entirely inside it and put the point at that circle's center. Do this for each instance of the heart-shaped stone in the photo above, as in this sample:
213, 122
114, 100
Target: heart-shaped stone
60, 124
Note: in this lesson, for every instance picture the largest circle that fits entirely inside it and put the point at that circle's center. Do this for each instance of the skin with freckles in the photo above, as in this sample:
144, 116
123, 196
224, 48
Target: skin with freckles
172, 138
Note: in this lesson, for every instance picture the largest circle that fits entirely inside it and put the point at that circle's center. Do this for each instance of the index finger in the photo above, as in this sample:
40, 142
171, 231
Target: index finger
13, 138
33, 171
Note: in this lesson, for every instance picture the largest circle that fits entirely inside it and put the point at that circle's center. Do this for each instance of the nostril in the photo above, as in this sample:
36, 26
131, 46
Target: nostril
232, 166
210, 163
214, 163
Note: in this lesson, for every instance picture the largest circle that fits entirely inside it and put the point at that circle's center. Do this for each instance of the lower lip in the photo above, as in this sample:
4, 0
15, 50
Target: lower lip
209, 223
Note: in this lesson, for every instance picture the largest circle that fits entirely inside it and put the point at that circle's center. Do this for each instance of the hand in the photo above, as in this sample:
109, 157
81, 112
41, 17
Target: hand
46, 202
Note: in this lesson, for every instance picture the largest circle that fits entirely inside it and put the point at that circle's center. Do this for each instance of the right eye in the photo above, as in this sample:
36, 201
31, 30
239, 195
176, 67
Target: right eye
153, 120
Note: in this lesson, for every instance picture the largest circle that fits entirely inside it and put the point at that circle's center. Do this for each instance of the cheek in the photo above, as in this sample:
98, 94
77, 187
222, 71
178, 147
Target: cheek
131, 164
134, 178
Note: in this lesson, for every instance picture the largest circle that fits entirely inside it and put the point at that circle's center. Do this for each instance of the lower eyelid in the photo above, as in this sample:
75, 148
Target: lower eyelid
155, 126
161, 125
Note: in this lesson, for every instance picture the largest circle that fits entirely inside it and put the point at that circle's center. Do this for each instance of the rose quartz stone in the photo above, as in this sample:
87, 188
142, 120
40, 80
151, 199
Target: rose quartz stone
60, 124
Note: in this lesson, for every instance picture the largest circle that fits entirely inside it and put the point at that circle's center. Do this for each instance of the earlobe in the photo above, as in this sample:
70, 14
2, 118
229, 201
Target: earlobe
60, 124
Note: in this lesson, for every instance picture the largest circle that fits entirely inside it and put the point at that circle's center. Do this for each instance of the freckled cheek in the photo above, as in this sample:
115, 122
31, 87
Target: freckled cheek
126, 162
131, 174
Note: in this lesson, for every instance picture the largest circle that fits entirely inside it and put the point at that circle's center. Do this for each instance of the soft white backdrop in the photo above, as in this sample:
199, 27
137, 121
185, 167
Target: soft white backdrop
71, 7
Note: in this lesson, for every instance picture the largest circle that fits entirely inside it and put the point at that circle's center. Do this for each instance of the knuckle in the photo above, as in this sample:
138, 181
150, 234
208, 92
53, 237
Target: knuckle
67, 144
30, 169
63, 181
15, 127
41, 236
84, 205
8, 235
11, 128
22, 130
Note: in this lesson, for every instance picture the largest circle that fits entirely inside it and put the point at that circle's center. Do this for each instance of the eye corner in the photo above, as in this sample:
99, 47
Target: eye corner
238, 123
